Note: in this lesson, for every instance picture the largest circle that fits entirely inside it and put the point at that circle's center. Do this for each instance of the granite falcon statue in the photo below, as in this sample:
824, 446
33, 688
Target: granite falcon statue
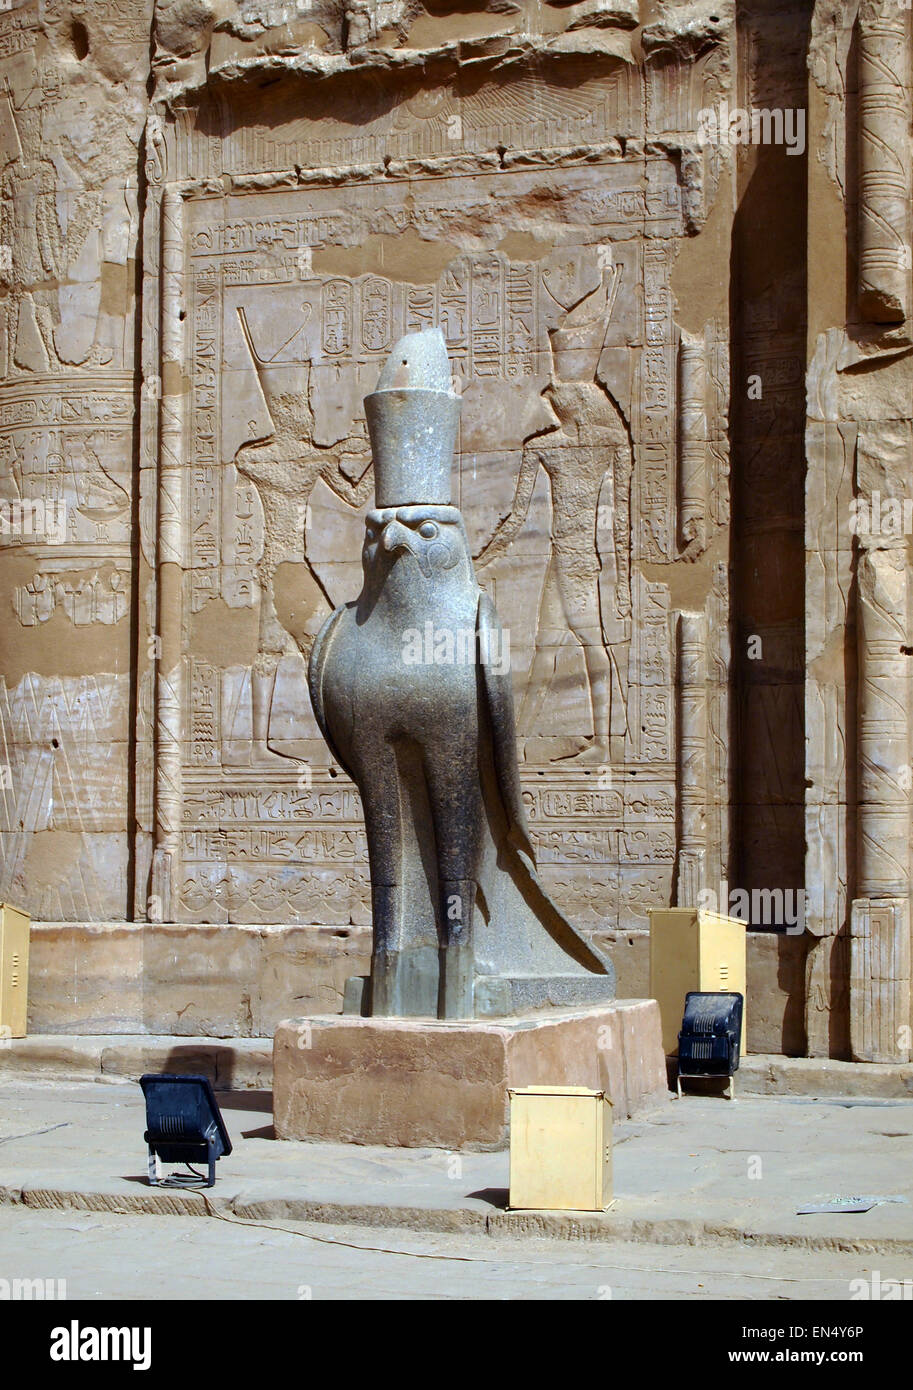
413, 695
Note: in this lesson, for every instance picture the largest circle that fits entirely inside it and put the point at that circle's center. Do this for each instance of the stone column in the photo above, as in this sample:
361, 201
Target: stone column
884, 137
692, 443
879, 924
692, 758
169, 731
830, 625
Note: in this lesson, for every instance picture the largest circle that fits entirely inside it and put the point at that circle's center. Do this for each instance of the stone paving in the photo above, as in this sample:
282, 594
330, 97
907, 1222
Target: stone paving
97, 1256
702, 1171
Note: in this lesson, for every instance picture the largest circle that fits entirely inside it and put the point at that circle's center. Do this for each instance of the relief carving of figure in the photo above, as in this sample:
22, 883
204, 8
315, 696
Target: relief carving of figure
588, 461
285, 468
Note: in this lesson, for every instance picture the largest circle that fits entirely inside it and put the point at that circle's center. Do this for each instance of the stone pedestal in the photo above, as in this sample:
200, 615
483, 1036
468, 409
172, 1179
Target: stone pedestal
443, 1084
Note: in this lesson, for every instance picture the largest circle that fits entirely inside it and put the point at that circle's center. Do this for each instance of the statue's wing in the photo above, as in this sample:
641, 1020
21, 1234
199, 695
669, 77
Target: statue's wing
497, 689
316, 666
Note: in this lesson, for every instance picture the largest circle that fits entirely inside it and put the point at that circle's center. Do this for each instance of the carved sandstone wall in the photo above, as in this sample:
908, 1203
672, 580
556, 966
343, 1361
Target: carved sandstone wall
679, 356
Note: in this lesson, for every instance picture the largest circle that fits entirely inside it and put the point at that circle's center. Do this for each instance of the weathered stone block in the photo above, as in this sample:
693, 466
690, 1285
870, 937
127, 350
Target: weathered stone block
430, 1082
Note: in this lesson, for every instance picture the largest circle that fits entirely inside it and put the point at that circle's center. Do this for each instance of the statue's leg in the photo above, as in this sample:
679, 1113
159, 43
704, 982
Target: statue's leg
378, 783
386, 910
454, 793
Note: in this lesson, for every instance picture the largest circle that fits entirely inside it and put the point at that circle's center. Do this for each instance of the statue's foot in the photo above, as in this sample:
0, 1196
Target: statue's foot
383, 985
455, 999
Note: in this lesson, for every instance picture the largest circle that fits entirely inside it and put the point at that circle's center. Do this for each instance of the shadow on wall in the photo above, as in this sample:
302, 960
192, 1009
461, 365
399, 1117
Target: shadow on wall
768, 322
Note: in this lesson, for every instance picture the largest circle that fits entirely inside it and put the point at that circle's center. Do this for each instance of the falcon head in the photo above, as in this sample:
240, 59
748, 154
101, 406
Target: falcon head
428, 536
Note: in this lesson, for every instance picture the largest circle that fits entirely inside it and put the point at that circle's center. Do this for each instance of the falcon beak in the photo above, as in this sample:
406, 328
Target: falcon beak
395, 536
399, 537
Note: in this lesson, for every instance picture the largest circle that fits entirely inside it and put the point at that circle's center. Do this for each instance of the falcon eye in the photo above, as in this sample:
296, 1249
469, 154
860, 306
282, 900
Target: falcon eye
427, 529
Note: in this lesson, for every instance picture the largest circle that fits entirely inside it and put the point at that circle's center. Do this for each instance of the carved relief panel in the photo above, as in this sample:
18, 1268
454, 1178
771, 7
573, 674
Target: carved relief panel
69, 225
584, 471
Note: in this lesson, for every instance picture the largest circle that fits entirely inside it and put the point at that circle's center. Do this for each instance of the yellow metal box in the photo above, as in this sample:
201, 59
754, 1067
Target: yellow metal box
14, 971
694, 950
560, 1149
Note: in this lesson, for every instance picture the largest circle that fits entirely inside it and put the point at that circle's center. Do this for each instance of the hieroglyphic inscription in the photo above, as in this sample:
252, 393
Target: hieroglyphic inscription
654, 538
67, 446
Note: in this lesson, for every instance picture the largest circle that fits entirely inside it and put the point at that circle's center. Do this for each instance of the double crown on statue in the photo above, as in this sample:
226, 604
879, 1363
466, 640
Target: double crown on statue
413, 417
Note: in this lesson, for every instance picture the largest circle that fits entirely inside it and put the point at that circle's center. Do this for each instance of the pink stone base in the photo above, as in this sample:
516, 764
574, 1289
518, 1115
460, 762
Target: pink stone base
414, 1083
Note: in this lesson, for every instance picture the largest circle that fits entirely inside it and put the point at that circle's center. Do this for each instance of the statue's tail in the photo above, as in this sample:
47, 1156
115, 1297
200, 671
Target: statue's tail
497, 690
563, 932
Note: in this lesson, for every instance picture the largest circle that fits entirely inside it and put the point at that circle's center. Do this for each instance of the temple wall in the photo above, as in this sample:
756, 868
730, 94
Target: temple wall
681, 358
858, 448
72, 110
128, 978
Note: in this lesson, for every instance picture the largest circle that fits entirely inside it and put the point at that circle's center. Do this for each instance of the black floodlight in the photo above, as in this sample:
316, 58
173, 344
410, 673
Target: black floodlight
711, 1036
183, 1125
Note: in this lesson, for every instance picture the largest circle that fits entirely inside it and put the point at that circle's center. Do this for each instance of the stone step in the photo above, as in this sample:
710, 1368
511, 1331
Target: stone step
232, 1064
241, 1064
768, 1074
